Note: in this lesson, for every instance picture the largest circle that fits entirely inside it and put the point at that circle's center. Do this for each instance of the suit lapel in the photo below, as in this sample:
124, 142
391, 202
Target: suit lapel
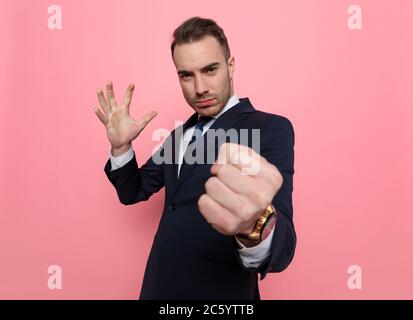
226, 121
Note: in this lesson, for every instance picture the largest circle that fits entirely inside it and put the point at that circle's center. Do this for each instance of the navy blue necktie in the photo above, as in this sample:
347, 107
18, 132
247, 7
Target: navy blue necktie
199, 128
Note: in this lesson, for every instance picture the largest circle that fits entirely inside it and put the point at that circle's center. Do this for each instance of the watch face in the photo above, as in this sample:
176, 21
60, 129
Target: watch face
267, 228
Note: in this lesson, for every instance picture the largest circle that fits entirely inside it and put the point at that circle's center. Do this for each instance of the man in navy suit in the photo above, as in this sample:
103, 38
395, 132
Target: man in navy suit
226, 221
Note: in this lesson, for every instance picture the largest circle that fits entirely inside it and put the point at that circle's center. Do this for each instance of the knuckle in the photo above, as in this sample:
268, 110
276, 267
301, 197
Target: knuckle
276, 176
279, 180
262, 200
202, 200
259, 197
274, 171
210, 183
244, 213
228, 224
222, 170
239, 206
231, 228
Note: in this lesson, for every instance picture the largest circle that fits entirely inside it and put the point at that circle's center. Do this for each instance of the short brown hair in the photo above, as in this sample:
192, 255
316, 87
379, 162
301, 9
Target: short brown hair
196, 28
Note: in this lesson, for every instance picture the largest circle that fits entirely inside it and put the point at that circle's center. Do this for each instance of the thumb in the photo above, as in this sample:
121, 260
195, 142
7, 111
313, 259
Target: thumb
147, 118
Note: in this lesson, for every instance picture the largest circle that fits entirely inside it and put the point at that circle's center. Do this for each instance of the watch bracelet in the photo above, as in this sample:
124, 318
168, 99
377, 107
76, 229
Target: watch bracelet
255, 235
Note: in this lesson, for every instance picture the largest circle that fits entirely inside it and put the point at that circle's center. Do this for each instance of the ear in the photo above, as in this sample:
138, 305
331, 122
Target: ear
231, 66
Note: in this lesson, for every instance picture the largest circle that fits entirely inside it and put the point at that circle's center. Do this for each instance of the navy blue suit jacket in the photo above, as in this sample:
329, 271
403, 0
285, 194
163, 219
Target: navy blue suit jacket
189, 259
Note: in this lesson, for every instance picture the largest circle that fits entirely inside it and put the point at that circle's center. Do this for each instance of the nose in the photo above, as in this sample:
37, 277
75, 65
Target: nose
200, 86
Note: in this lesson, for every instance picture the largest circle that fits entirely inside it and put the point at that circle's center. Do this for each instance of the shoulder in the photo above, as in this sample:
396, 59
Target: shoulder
271, 122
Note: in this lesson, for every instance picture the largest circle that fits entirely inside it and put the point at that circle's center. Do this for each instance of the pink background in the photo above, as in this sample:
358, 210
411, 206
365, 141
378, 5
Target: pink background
347, 92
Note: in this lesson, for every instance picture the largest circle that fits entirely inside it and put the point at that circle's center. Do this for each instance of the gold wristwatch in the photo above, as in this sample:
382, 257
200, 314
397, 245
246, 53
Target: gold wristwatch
255, 236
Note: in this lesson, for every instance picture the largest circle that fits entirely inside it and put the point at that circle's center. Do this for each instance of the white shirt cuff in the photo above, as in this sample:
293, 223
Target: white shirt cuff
252, 257
121, 160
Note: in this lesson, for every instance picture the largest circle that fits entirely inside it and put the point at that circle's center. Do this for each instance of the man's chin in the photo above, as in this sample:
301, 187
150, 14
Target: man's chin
208, 111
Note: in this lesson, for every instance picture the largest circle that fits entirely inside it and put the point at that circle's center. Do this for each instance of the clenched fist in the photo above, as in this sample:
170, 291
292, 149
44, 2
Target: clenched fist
242, 186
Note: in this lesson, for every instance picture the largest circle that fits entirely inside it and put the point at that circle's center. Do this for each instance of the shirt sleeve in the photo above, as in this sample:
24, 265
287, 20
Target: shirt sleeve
121, 160
253, 256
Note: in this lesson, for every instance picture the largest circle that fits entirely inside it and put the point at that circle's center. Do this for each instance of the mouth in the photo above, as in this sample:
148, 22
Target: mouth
205, 103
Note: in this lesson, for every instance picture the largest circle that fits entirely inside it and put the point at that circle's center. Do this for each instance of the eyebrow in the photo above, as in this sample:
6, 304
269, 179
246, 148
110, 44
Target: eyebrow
213, 64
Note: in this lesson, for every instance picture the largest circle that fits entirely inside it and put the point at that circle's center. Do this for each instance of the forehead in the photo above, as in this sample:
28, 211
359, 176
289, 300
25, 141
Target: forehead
198, 54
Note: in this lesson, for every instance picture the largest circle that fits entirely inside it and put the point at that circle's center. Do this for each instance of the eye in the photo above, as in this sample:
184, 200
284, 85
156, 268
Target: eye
212, 69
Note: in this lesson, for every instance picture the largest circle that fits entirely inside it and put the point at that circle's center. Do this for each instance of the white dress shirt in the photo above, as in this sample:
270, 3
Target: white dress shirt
251, 257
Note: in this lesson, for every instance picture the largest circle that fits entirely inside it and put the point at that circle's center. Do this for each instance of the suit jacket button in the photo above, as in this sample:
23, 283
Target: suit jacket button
172, 206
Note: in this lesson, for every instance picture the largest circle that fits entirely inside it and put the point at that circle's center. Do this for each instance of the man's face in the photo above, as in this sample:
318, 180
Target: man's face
204, 74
